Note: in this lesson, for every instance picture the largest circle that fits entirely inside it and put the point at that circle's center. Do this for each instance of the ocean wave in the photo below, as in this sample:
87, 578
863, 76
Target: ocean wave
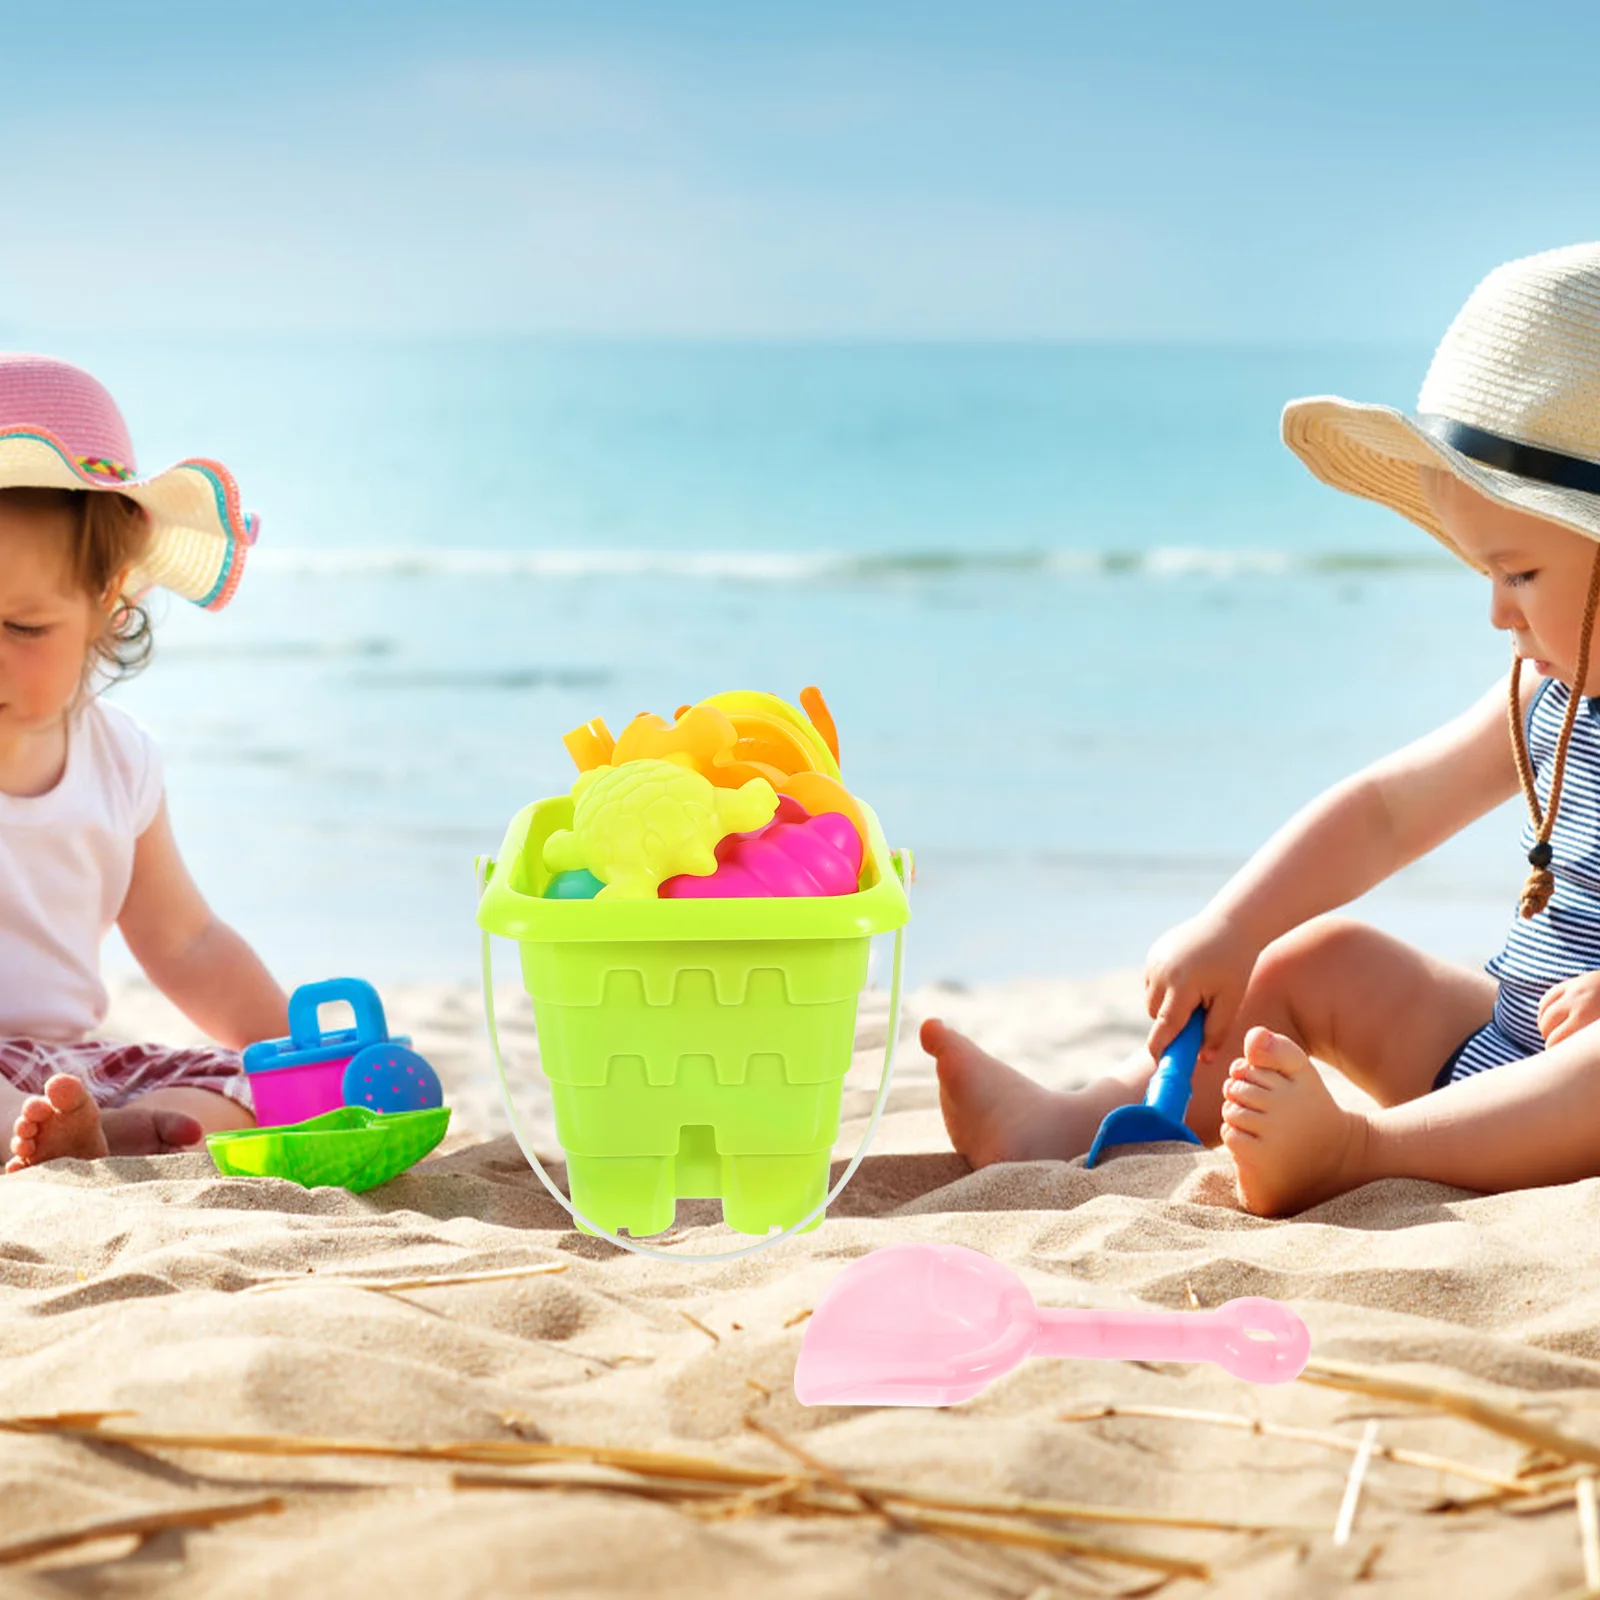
505, 678
1162, 562
281, 649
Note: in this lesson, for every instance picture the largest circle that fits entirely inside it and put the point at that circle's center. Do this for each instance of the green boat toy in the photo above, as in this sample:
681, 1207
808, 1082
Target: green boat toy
349, 1148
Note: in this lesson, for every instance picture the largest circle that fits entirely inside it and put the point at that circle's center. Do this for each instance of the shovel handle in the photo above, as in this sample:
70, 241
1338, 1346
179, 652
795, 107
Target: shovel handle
1173, 1082
1256, 1339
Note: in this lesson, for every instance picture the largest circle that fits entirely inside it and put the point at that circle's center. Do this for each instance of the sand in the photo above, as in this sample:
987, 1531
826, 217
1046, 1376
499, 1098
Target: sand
128, 1286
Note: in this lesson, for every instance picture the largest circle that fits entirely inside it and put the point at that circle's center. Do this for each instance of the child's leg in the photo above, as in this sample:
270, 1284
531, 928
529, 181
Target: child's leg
11, 1100
1516, 1126
146, 1125
1383, 1013
110, 1099
65, 1121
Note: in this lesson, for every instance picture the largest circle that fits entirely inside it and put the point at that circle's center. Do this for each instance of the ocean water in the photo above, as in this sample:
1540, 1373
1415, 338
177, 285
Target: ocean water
1089, 632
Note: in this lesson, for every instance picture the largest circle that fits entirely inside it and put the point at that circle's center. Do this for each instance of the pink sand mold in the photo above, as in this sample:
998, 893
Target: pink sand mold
794, 855
935, 1324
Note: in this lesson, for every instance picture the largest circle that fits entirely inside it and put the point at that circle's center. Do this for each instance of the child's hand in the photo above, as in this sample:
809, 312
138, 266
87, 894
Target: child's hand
1569, 1006
1205, 961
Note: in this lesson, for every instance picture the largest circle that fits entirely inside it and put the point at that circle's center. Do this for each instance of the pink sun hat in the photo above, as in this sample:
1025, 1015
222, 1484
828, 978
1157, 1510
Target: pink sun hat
60, 429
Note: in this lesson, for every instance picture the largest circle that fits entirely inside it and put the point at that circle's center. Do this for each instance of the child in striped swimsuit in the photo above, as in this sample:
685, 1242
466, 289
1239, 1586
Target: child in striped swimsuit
1545, 956
1487, 1080
84, 837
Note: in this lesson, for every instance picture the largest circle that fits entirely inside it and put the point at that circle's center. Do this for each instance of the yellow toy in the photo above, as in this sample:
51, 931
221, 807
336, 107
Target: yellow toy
635, 824
819, 793
772, 731
591, 745
699, 739
731, 739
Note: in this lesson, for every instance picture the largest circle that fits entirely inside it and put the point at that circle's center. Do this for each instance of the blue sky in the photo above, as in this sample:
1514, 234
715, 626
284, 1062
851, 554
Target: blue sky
1226, 170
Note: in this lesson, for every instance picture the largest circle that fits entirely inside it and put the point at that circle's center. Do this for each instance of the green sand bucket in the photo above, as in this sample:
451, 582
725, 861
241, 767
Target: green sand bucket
695, 1049
348, 1148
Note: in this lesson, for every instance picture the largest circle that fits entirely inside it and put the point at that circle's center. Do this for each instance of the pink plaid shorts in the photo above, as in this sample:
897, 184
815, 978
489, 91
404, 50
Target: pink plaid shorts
114, 1073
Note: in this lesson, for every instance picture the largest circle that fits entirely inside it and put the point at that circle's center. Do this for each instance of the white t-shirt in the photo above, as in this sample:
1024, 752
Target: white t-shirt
66, 860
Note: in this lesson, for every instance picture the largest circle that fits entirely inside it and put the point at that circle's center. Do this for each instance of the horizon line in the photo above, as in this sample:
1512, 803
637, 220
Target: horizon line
17, 338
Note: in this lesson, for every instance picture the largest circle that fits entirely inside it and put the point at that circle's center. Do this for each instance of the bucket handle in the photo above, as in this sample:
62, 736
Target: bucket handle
906, 871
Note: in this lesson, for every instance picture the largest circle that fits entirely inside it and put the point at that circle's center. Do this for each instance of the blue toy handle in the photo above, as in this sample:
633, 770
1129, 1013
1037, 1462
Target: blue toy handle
360, 996
1173, 1082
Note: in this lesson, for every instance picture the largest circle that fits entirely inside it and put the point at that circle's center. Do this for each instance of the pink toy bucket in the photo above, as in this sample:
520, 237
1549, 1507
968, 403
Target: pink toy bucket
295, 1094
303, 1076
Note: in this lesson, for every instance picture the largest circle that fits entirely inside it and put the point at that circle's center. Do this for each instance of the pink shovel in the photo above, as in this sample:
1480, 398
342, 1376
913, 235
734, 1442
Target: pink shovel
933, 1324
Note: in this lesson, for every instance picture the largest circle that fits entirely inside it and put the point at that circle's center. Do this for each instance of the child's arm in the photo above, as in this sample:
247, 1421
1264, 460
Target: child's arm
1366, 828
197, 961
1346, 841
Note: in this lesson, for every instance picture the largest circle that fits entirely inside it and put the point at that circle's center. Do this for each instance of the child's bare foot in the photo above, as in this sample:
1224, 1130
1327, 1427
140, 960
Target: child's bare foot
136, 1131
993, 1113
1292, 1144
65, 1121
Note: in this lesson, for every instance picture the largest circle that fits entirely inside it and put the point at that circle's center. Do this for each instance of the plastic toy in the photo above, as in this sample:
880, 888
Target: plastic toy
579, 884
754, 742
352, 1148
312, 1072
389, 1077
591, 745
772, 730
820, 794
794, 855
821, 718
702, 739
694, 1048
935, 1324
352, 1107
1165, 1100
731, 739
634, 825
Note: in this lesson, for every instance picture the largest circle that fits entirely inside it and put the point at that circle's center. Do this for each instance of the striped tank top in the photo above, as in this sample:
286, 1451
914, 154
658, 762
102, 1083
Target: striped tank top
1564, 939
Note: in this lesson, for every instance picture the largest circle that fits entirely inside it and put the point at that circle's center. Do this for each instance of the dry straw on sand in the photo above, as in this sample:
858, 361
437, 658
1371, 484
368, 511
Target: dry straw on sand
440, 1388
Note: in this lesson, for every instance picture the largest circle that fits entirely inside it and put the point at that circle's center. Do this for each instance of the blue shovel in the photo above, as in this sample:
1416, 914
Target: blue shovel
1165, 1101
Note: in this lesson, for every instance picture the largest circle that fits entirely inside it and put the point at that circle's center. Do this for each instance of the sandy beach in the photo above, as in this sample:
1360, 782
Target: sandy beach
149, 1299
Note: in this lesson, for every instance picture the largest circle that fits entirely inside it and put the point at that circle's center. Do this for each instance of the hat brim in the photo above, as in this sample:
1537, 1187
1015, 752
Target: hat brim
1378, 453
199, 534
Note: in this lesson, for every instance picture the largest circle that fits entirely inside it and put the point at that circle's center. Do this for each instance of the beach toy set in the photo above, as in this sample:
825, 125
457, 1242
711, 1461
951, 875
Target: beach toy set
739, 798
352, 1107
936, 1324
693, 922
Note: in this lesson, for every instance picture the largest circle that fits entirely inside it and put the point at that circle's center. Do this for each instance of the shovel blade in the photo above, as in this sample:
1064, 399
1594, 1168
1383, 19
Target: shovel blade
1137, 1125
914, 1325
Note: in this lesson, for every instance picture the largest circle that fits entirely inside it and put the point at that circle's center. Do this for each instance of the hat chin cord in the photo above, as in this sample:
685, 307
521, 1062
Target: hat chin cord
1541, 882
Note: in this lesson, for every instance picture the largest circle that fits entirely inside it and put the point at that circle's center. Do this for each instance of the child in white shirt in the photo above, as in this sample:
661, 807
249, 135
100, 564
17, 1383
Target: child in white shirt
85, 841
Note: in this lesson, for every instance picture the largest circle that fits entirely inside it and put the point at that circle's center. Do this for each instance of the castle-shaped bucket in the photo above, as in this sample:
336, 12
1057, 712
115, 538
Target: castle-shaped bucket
694, 1048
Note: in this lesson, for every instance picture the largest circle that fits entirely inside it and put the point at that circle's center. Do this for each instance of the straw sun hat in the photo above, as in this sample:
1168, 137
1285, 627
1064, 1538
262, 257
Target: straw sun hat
60, 429
1511, 406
